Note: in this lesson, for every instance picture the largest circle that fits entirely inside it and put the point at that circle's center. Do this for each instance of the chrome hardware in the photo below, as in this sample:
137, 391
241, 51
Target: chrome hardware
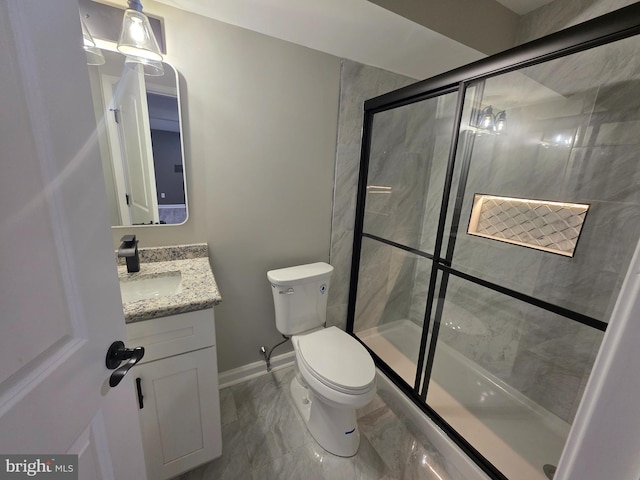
267, 353
288, 291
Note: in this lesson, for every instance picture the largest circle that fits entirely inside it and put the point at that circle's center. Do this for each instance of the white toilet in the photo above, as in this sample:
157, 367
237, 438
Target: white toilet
335, 374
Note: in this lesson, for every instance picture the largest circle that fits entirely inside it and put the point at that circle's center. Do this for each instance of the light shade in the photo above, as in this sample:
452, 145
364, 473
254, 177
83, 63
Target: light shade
87, 39
151, 68
487, 120
93, 53
94, 56
136, 37
501, 122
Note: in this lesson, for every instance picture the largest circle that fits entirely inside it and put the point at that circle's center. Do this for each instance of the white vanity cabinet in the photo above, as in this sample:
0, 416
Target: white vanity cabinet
177, 387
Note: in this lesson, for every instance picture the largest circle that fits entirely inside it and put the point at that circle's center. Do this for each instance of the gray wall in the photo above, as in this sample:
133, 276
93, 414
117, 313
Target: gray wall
260, 121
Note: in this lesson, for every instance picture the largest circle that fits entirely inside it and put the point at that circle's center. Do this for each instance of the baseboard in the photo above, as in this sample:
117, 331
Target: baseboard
253, 370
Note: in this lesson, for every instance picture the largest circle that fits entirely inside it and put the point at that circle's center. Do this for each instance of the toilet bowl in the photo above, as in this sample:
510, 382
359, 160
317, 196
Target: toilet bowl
335, 374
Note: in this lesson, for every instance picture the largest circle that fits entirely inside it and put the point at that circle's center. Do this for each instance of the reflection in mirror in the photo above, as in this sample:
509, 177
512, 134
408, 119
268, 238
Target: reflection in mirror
140, 138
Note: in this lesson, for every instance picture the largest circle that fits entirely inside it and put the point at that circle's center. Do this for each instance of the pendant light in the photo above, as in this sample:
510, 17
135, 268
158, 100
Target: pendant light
136, 37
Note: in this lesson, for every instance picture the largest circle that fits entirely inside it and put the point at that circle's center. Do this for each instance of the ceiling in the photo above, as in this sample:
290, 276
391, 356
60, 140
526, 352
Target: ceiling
353, 29
523, 6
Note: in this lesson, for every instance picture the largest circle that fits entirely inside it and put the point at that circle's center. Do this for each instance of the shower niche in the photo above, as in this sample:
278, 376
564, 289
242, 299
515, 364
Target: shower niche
495, 337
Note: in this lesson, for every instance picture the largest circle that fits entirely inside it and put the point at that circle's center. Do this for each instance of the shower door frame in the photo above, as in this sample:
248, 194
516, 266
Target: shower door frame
611, 27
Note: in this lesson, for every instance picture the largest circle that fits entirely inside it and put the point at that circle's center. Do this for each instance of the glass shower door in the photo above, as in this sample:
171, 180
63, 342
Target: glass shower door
543, 220
406, 176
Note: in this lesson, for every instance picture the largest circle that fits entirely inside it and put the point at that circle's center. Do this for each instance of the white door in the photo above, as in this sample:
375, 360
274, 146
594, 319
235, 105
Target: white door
59, 301
134, 133
115, 161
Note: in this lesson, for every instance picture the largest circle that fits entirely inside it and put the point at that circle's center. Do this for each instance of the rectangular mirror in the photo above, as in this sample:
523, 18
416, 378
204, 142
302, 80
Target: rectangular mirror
140, 137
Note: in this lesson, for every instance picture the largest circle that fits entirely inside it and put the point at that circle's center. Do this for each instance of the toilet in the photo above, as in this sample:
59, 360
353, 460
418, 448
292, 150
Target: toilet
335, 374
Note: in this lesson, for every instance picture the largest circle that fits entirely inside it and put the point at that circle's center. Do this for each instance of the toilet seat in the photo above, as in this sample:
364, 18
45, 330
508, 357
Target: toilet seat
337, 360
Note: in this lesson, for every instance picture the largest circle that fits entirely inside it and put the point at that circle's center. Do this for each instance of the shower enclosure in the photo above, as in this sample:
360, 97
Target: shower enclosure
498, 210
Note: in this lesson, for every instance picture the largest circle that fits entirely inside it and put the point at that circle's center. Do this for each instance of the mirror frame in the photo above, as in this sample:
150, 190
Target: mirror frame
107, 147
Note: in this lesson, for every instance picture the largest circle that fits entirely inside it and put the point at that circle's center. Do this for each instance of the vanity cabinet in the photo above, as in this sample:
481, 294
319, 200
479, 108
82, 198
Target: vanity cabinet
177, 387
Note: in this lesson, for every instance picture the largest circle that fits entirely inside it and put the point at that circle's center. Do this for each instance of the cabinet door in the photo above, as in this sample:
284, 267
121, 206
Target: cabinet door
180, 417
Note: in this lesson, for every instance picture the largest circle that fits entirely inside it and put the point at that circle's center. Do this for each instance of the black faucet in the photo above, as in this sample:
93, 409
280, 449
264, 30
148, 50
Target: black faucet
129, 250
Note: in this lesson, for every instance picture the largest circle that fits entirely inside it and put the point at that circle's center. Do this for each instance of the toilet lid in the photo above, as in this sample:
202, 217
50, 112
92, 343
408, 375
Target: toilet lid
337, 359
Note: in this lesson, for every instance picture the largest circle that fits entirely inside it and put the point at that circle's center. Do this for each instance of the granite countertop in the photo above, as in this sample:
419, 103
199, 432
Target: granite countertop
199, 289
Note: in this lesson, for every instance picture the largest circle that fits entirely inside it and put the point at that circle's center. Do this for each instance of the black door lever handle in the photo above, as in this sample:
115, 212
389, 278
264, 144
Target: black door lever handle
117, 354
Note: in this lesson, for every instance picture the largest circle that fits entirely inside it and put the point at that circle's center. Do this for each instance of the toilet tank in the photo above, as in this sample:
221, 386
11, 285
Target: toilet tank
300, 296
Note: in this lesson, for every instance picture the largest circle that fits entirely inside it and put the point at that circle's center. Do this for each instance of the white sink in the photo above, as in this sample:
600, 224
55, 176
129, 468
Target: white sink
144, 288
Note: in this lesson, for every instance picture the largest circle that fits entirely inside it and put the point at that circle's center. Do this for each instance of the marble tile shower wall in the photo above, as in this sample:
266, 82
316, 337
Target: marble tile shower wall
358, 83
386, 284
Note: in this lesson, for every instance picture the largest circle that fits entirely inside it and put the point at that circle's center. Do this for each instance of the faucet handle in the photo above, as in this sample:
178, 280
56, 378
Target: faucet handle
128, 239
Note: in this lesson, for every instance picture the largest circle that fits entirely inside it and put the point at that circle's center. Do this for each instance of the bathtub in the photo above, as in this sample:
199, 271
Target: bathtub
515, 434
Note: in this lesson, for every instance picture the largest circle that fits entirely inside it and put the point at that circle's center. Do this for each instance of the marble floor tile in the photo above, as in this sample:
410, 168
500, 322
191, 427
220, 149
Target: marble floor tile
264, 438
400, 450
254, 398
375, 404
295, 464
366, 464
275, 434
232, 465
383, 430
228, 410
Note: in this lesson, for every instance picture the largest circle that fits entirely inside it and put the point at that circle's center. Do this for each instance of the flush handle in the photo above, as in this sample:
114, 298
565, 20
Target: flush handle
117, 354
288, 291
